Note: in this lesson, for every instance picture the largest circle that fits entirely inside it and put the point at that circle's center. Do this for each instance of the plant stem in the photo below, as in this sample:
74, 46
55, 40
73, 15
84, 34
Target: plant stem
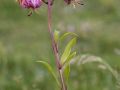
55, 49
52, 36
64, 87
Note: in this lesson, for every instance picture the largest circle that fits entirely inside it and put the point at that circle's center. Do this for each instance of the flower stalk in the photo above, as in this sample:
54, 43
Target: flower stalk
55, 48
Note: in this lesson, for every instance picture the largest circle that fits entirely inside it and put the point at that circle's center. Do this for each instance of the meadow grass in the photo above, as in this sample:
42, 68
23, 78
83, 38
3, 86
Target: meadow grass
25, 39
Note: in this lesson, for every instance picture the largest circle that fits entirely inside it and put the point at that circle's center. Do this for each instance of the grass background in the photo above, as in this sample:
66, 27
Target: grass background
25, 39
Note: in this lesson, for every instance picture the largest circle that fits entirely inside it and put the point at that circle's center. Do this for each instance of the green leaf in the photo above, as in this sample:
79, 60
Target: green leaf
67, 66
50, 70
68, 33
56, 35
66, 71
67, 50
70, 58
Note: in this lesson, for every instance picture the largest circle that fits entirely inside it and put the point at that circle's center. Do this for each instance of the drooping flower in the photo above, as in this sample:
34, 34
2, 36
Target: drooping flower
30, 4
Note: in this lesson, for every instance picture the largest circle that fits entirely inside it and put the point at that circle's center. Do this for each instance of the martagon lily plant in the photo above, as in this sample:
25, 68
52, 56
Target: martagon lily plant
62, 61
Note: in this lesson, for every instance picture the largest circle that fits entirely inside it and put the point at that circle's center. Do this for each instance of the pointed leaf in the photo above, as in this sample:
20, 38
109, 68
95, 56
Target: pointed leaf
68, 33
50, 70
67, 65
67, 72
67, 50
70, 58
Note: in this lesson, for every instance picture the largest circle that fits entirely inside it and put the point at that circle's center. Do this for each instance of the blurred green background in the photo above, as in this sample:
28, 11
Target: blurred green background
25, 39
